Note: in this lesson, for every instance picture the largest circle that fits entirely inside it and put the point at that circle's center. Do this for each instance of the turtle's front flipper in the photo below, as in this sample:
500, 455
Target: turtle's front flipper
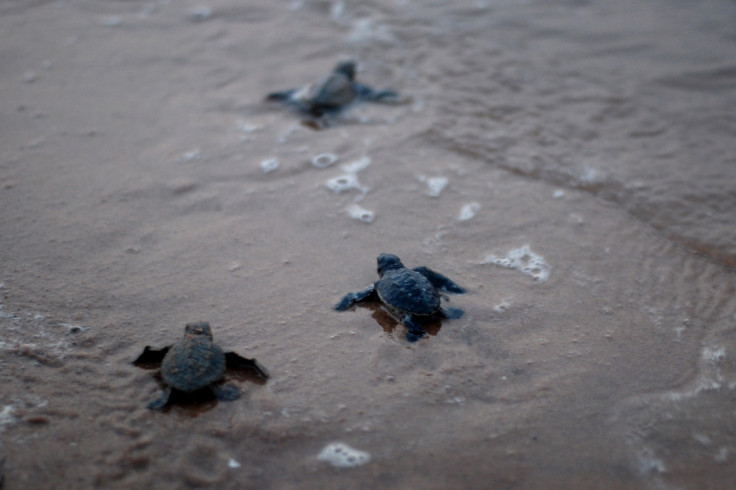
150, 357
161, 402
364, 92
225, 393
251, 367
351, 298
283, 96
439, 281
452, 313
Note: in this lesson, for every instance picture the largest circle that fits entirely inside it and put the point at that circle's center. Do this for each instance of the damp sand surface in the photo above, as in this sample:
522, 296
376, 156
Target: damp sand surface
570, 163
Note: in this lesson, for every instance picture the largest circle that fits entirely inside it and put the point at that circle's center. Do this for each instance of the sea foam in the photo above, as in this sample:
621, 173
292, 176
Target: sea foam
341, 455
361, 214
523, 260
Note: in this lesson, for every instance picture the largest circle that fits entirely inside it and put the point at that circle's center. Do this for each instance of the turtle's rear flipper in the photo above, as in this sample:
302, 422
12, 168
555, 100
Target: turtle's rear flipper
318, 112
351, 298
245, 369
452, 313
161, 402
225, 393
439, 281
414, 330
151, 358
386, 96
413, 326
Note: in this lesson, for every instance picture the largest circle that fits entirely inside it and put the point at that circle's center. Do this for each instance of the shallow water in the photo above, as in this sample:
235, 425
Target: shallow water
570, 163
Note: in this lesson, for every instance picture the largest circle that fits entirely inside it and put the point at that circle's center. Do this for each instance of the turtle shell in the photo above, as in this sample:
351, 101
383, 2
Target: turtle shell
408, 291
193, 363
334, 93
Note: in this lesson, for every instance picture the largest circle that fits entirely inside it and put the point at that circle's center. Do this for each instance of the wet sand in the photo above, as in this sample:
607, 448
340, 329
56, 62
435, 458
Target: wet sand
597, 139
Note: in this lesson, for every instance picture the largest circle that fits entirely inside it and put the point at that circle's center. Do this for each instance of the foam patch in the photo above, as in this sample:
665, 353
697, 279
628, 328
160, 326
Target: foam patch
269, 165
468, 211
523, 260
344, 183
324, 160
357, 165
341, 455
361, 214
435, 184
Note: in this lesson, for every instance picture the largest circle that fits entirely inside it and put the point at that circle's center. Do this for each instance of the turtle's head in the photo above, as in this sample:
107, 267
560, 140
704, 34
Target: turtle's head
387, 262
198, 328
347, 68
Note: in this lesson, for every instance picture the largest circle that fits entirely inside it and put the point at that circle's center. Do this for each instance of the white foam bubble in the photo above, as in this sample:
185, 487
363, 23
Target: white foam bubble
7, 416
233, 464
590, 175
200, 14
361, 214
191, 155
337, 10
435, 184
714, 355
147, 10
722, 454
344, 182
341, 455
558, 193
248, 128
30, 77
113, 22
468, 211
349, 180
357, 165
703, 439
523, 260
648, 463
502, 306
366, 30
324, 160
5, 314
269, 165
289, 133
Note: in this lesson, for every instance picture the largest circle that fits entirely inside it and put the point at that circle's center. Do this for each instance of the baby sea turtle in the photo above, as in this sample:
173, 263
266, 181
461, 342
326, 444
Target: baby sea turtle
333, 93
407, 293
194, 363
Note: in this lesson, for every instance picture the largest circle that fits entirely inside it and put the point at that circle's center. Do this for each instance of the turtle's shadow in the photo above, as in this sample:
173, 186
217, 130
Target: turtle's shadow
200, 401
327, 120
431, 324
